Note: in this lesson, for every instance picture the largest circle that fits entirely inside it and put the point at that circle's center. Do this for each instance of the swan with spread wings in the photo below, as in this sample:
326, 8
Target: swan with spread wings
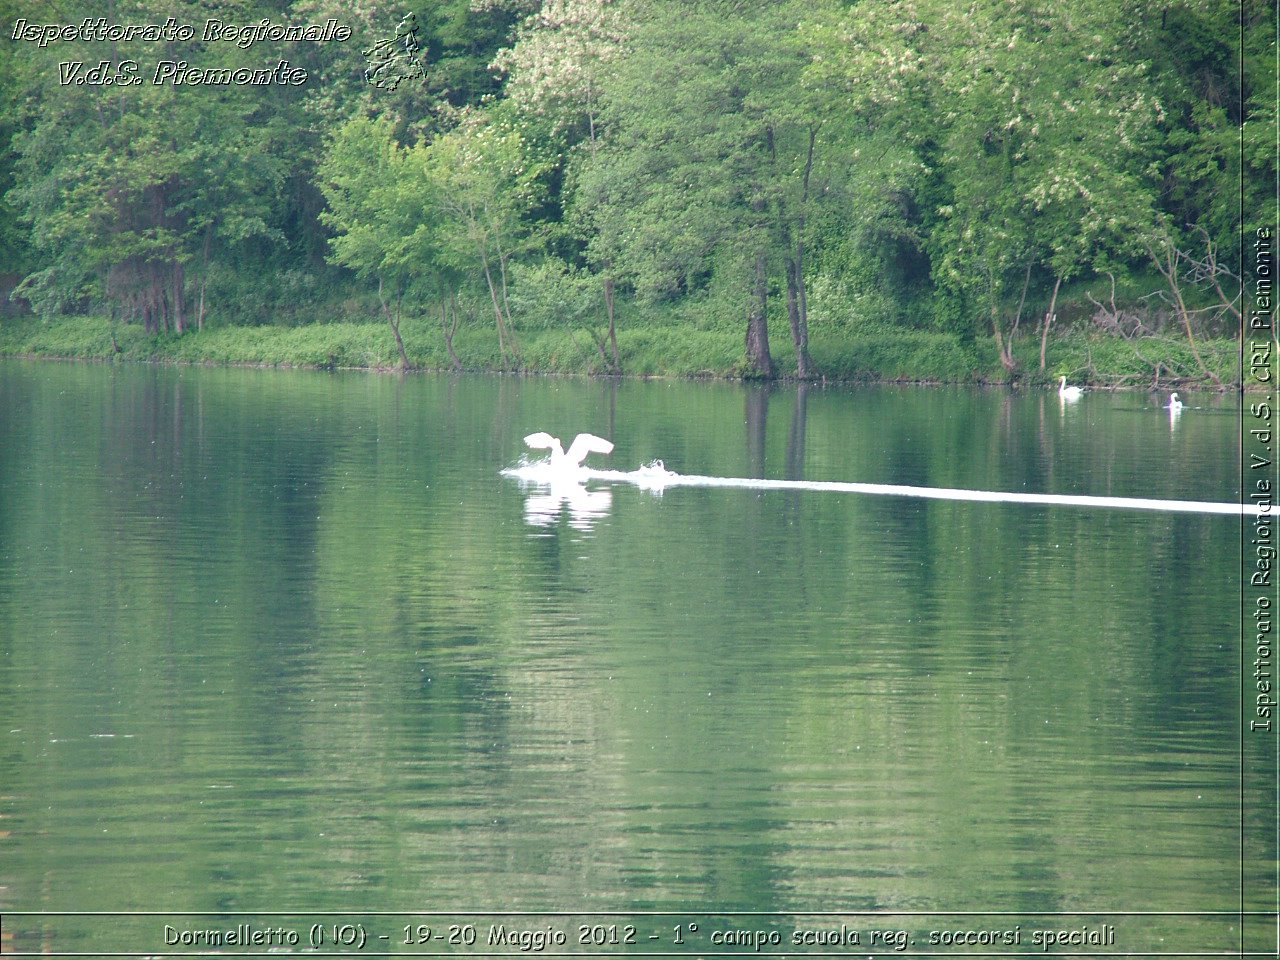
583, 444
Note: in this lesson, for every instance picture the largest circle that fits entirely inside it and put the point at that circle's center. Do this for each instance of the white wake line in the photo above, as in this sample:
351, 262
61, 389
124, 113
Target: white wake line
660, 480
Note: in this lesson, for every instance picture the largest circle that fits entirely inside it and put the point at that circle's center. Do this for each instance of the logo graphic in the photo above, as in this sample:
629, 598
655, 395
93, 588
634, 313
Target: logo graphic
397, 59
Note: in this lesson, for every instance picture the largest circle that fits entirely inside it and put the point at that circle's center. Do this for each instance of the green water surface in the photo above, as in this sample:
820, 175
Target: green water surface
278, 641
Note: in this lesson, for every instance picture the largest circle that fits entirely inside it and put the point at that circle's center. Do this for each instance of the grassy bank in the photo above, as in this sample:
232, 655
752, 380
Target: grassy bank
865, 354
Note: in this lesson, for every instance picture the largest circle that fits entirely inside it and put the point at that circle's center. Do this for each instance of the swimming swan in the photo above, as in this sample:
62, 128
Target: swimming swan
583, 444
1069, 393
1174, 403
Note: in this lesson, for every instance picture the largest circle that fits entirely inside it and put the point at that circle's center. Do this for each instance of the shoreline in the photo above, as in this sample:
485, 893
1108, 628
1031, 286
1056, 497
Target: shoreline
651, 352
1198, 386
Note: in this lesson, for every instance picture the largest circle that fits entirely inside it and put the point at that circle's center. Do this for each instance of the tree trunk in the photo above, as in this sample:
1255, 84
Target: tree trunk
505, 343
1006, 350
1022, 302
160, 300
179, 299
793, 236
1214, 272
599, 341
394, 321
1191, 337
497, 309
758, 355
1168, 267
204, 275
591, 119
449, 329
799, 326
1049, 317
613, 330
502, 275
506, 307
111, 325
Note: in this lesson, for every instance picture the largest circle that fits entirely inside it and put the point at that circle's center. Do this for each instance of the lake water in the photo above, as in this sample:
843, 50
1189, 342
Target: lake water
289, 642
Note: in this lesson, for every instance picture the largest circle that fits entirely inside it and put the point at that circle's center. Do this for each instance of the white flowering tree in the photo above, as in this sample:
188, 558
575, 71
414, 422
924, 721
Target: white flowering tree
556, 71
1030, 117
1044, 123
558, 65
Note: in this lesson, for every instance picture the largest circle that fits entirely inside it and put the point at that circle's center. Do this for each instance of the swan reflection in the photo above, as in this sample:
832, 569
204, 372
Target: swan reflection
547, 502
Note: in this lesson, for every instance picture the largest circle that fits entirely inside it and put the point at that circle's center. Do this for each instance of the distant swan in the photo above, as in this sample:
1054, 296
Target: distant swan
1069, 393
583, 444
1174, 403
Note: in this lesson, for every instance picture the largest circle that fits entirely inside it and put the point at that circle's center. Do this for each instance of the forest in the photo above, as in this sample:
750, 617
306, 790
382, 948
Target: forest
997, 190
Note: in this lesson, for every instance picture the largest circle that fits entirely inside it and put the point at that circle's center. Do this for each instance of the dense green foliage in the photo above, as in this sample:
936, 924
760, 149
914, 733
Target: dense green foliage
609, 174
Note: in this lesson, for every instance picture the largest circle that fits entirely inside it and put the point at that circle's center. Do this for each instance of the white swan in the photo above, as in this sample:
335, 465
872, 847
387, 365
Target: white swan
583, 444
1174, 403
1069, 393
